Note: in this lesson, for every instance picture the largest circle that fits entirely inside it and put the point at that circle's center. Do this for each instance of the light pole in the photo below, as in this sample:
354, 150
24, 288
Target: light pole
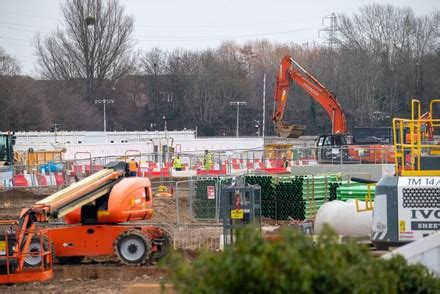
164, 123
257, 126
238, 103
416, 83
104, 102
55, 129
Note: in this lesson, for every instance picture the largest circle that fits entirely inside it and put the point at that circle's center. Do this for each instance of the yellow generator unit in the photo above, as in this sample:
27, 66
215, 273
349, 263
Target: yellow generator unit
36, 158
278, 151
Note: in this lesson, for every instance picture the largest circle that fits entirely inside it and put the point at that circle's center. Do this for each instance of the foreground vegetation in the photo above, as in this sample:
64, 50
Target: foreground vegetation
297, 264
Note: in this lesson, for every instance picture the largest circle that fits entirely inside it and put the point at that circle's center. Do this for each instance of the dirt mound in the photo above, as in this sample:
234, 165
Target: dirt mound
109, 278
12, 201
22, 194
165, 210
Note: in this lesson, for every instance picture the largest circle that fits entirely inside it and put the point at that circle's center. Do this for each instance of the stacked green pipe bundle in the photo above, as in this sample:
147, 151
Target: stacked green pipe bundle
353, 191
268, 201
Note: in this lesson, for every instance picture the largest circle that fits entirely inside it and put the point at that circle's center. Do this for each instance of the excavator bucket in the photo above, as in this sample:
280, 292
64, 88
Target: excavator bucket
285, 130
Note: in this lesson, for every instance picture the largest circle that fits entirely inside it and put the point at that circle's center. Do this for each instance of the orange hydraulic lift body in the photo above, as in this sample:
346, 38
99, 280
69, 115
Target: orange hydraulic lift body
98, 239
97, 210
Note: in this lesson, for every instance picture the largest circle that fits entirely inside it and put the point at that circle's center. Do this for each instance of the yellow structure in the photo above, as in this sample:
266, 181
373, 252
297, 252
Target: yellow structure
369, 203
278, 151
410, 142
35, 158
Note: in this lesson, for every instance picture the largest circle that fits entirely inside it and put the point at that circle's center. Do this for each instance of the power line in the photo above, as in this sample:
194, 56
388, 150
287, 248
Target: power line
27, 15
15, 44
210, 26
20, 30
15, 39
193, 38
22, 25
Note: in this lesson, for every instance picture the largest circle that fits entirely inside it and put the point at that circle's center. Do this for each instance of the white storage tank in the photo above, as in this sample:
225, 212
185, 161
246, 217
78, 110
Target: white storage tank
344, 219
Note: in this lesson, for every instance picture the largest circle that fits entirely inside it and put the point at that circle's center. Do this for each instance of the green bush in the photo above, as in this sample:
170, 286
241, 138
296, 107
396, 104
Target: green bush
297, 264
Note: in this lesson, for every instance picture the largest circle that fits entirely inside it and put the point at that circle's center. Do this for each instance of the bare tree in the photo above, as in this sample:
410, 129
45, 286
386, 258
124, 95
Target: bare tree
9, 69
93, 46
391, 43
8, 65
21, 107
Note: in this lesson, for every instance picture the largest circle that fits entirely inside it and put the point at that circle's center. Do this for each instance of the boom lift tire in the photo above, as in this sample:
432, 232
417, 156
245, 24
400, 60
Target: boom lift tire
163, 247
35, 248
132, 247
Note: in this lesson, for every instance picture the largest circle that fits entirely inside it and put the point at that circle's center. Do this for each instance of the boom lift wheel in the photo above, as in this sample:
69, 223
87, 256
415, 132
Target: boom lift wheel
132, 247
163, 247
34, 258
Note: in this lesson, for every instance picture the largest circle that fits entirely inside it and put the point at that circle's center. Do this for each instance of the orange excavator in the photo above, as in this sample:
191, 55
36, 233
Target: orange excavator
333, 147
290, 71
99, 212
329, 145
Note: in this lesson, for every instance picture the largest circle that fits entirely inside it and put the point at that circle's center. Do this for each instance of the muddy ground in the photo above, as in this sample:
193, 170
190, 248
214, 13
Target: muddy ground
102, 275
106, 275
100, 278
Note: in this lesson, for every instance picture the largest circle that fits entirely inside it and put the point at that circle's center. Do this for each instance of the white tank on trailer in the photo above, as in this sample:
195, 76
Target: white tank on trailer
344, 219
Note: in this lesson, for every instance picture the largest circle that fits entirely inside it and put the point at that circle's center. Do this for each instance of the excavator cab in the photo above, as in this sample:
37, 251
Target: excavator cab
332, 148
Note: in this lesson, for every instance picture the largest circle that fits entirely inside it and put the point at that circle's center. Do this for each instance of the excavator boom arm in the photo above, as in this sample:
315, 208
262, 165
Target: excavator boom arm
286, 74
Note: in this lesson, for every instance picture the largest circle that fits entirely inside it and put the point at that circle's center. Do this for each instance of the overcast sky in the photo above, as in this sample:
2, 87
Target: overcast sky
190, 24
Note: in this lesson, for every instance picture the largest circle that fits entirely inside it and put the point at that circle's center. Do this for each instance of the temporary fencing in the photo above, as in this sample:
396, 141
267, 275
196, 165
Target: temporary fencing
283, 197
225, 163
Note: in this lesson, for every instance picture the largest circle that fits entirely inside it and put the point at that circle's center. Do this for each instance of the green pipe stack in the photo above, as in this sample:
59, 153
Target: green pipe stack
268, 203
297, 197
353, 191
283, 197
203, 207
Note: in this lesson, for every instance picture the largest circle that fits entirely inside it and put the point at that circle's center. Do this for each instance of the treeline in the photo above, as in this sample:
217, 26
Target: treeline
375, 62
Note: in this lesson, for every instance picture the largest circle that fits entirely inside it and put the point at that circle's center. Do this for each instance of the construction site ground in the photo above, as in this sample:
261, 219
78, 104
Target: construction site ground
101, 275
106, 275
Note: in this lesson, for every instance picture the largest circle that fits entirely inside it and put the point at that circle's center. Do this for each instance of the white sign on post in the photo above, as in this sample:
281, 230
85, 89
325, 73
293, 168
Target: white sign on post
211, 192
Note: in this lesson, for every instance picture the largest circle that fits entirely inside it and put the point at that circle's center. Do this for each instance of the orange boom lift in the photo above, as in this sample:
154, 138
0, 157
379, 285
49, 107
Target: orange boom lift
99, 212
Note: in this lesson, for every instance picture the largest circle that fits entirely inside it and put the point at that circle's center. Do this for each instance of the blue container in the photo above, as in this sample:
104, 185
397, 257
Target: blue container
51, 167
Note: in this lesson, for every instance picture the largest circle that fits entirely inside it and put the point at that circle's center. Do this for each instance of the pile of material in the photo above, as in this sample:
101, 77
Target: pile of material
354, 190
283, 197
297, 197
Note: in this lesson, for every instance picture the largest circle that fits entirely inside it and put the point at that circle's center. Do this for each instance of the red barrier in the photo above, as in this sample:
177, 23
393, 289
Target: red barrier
165, 171
43, 181
19, 181
59, 179
275, 170
205, 172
